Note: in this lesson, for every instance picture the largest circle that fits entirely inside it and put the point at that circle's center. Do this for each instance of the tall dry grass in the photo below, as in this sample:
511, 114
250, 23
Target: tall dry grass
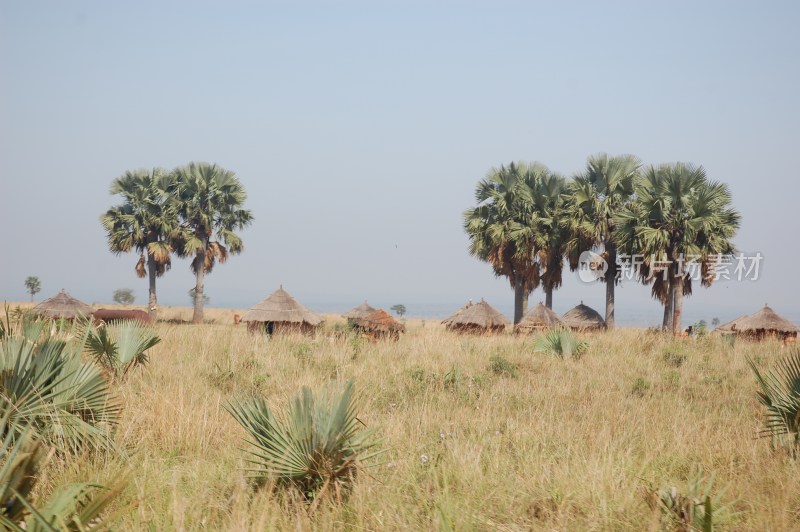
555, 444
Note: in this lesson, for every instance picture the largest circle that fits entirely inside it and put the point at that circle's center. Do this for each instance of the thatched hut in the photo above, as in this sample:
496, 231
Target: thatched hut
538, 318
63, 306
765, 322
480, 318
280, 312
447, 321
730, 327
380, 325
584, 318
361, 311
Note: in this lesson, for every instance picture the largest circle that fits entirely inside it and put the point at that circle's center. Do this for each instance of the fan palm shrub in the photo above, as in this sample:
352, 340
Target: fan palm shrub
65, 402
562, 343
74, 506
119, 347
780, 393
318, 447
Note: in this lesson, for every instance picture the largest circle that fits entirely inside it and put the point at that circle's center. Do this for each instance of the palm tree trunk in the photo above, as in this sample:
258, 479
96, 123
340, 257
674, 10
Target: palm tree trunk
520, 301
666, 324
525, 299
152, 300
200, 275
677, 302
611, 276
548, 298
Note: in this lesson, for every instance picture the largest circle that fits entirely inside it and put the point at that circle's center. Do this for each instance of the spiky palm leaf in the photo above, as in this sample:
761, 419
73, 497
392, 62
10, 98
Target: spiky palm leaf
780, 394
119, 347
74, 506
318, 446
562, 343
43, 382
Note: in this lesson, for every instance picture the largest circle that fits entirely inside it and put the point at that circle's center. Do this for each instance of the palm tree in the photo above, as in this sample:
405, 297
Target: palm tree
209, 201
678, 216
550, 236
145, 222
593, 199
509, 227
33, 285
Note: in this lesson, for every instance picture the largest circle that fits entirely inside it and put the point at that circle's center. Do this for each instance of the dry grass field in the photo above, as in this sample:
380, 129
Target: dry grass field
472, 441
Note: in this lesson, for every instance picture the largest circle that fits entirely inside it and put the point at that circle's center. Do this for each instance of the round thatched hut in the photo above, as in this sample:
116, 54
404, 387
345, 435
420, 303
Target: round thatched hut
361, 311
63, 306
765, 322
584, 318
447, 321
280, 312
537, 319
379, 325
480, 318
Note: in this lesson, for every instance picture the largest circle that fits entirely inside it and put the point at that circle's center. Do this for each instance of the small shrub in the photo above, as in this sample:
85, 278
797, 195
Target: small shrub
780, 394
500, 366
121, 347
561, 343
318, 447
674, 356
694, 509
62, 400
75, 506
672, 379
640, 387
452, 379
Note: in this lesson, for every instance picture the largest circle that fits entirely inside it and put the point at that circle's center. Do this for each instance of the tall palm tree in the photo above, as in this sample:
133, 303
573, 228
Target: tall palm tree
593, 199
507, 229
678, 216
209, 201
144, 222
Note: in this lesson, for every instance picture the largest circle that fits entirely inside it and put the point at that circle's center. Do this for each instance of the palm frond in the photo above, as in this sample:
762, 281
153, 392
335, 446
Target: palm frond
319, 444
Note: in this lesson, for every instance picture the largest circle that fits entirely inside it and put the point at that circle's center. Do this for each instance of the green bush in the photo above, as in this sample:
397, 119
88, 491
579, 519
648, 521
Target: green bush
65, 402
500, 366
318, 447
696, 508
780, 394
562, 343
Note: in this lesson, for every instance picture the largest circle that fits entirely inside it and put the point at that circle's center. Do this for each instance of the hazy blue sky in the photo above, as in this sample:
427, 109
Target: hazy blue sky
360, 130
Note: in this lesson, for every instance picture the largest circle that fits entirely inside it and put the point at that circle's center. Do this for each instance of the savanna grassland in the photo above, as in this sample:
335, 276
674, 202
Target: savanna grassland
479, 432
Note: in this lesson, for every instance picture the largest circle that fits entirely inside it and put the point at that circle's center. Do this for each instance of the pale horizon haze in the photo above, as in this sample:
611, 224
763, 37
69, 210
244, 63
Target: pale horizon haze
360, 130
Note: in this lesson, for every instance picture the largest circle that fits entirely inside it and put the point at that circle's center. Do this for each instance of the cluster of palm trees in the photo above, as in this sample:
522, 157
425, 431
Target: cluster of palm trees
528, 220
192, 211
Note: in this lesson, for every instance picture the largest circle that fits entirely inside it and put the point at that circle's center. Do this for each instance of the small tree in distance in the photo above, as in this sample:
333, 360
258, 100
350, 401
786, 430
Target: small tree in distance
34, 285
398, 309
124, 296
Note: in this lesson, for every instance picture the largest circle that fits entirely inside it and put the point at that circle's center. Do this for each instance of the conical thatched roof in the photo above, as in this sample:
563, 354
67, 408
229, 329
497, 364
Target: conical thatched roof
767, 320
539, 317
363, 310
448, 321
731, 326
480, 315
380, 321
584, 318
62, 305
280, 307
